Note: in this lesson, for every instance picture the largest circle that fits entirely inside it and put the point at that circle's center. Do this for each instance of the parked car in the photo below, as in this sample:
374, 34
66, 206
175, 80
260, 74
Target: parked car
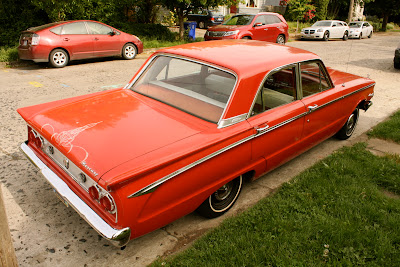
360, 29
326, 29
187, 130
206, 18
266, 26
396, 59
63, 41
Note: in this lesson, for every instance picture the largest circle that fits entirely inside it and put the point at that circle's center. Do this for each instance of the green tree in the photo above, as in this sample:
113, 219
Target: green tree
383, 9
321, 7
297, 9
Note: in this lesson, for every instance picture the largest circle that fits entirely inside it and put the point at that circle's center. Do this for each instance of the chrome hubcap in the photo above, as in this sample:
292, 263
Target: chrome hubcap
281, 40
223, 192
59, 58
130, 51
350, 124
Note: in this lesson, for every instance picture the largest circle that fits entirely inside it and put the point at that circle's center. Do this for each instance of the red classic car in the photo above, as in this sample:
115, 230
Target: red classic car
60, 42
192, 124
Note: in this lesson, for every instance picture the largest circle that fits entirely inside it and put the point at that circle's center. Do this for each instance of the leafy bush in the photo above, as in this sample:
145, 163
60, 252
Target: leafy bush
149, 31
8, 54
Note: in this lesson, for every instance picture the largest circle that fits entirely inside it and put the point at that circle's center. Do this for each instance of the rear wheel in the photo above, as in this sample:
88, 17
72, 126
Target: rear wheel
345, 36
326, 36
221, 200
370, 35
129, 51
348, 128
58, 58
280, 39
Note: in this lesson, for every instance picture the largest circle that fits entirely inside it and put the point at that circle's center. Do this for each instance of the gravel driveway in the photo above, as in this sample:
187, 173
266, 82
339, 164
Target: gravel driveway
47, 233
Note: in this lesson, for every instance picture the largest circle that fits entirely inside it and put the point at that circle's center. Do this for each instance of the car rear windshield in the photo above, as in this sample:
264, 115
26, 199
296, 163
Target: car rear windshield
42, 27
239, 20
355, 24
198, 89
322, 23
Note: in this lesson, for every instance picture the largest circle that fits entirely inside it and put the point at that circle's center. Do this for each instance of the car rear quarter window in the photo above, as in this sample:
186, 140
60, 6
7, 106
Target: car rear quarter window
74, 28
97, 28
198, 89
56, 30
313, 78
272, 19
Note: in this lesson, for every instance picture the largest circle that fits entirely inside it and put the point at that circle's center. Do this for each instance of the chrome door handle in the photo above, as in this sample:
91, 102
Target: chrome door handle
311, 108
266, 29
259, 130
96, 39
66, 39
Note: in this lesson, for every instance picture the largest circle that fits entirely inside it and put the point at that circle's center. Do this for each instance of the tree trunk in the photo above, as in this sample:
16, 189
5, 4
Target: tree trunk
181, 26
297, 26
385, 22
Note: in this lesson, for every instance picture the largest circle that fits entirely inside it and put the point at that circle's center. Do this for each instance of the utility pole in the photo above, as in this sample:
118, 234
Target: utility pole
351, 10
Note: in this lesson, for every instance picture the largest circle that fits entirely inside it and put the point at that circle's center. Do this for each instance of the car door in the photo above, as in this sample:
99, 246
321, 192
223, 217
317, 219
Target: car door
106, 41
76, 39
274, 26
277, 117
320, 97
365, 29
259, 28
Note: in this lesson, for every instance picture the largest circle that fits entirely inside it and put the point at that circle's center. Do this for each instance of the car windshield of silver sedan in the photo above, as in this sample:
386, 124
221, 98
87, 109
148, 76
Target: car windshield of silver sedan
195, 88
239, 20
322, 24
355, 24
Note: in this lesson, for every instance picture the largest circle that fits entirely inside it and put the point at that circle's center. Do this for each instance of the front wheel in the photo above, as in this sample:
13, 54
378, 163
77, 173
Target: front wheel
221, 200
360, 37
370, 35
58, 58
129, 51
348, 128
326, 36
345, 36
280, 39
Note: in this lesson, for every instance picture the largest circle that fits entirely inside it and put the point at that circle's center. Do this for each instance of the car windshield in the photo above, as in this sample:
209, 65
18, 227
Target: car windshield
322, 24
195, 88
239, 20
38, 28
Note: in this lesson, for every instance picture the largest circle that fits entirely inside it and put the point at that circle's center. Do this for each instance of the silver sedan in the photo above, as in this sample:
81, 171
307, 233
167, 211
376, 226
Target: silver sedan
360, 29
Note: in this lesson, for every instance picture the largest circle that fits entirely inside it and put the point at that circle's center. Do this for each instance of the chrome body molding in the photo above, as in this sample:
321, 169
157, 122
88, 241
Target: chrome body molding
260, 131
228, 122
118, 237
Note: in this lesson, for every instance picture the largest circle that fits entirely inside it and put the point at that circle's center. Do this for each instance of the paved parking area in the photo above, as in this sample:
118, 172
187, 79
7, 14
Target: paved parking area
47, 233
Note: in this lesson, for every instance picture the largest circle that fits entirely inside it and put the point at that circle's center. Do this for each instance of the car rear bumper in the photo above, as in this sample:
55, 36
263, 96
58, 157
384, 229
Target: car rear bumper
118, 237
32, 53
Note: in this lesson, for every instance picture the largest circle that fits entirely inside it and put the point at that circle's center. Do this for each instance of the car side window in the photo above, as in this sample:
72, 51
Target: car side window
334, 24
74, 28
278, 89
313, 78
272, 19
57, 30
260, 19
97, 28
340, 24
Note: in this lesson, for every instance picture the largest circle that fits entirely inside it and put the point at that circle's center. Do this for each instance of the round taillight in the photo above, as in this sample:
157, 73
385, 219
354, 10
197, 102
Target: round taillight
107, 203
94, 192
31, 136
39, 142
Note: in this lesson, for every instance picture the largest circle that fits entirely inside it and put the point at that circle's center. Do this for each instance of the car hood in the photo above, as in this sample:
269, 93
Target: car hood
105, 130
226, 27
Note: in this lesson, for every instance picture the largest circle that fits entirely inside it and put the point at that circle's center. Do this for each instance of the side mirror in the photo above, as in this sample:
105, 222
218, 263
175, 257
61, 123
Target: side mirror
258, 24
112, 33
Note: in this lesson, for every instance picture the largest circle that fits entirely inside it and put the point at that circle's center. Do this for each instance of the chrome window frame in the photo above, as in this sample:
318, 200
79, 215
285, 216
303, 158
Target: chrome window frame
221, 122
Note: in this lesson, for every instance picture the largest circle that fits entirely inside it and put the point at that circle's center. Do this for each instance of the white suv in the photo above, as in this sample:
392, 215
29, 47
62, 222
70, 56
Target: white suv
326, 29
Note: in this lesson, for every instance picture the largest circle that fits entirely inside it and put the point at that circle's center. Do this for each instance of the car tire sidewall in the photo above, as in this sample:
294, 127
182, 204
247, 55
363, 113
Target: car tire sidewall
326, 36
59, 53
280, 39
124, 52
345, 36
370, 35
349, 127
212, 209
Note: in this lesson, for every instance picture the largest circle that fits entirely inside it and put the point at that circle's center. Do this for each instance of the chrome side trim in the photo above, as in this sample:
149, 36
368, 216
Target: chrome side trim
119, 237
153, 186
230, 121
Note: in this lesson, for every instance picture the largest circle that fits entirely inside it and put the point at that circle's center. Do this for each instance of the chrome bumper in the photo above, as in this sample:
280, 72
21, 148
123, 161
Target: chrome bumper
117, 237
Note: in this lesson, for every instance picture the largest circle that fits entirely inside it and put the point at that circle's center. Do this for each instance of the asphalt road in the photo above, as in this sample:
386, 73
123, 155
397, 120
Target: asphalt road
47, 233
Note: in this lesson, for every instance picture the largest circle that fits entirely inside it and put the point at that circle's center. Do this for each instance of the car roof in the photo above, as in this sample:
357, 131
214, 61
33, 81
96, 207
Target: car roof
245, 57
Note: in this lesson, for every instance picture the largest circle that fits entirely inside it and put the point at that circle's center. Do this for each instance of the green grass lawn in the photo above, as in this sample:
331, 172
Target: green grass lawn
8, 54
388, 130
345, 210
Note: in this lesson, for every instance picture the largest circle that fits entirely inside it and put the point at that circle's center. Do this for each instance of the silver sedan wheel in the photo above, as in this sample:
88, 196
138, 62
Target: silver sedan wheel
129, 51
